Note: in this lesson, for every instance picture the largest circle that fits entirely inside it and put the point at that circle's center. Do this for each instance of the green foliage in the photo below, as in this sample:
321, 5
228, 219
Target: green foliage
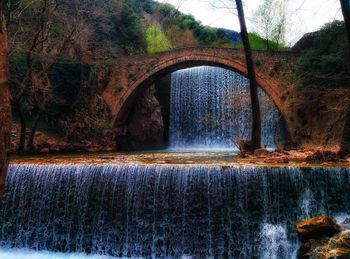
130, 34
326, 62
156, 40
270, 21
205, 35
259, 43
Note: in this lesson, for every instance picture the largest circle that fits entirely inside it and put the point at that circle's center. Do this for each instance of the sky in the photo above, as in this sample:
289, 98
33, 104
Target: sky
304, 16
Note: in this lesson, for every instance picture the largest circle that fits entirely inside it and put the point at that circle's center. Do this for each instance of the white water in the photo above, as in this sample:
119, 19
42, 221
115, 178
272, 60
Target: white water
211, 110
31, 254
164, 211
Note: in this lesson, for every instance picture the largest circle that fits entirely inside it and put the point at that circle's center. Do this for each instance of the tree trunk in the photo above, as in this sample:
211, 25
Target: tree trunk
345, 6
345, 142
23, 123
256, 119
33, 131
5, 107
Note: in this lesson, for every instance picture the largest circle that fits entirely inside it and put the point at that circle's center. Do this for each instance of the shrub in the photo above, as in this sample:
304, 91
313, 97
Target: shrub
156, 40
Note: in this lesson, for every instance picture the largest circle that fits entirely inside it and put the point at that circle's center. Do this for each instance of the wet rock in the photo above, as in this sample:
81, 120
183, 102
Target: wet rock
318, 227
323, 245
344, 239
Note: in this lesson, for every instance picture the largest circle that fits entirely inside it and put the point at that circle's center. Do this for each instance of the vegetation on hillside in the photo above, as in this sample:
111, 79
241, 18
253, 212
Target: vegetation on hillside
326, 61
259, 43
157, 41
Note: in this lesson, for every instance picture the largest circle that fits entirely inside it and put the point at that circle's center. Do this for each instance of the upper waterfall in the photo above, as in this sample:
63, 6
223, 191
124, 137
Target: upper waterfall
211, 110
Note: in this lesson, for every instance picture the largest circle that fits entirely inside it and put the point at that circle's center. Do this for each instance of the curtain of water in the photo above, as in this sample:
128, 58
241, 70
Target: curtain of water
166, 211
210, 109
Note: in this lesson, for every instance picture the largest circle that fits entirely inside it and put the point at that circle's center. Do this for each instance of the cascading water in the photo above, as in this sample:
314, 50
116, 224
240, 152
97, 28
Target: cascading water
167, 211
210, 109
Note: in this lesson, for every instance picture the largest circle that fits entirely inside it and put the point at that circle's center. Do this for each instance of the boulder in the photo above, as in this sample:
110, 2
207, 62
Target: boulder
338, 253
344, 239
245, 145
318, 227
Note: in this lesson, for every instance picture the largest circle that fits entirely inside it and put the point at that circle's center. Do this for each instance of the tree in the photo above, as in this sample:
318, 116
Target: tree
345, 143
5, 107
256, 117
345, 5
54, 29
130, 31
270, 22
253, 84
40, 35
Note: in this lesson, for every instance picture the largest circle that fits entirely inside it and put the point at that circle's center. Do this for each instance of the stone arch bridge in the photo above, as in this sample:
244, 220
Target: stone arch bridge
134, 74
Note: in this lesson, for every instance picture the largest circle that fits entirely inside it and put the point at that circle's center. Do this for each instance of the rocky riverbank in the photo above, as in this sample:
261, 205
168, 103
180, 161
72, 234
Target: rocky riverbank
324, 238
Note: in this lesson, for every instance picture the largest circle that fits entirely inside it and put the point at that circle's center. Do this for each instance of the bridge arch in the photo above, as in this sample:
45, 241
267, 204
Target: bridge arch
187, 60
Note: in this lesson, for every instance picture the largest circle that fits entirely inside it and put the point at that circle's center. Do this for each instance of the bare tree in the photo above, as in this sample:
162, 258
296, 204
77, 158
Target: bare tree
40, 35
345, 6
237, 8
5, 108
34, 91
256, 117
270, 22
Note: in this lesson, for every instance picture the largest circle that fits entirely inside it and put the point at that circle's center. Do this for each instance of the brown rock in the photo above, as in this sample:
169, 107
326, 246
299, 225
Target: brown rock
344, 240
318, 227
277, 160
339, 253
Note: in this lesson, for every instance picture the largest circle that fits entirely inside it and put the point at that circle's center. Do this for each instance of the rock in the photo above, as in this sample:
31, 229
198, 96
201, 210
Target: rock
281, 151
318, 227
277, 160
262, 152
245, 145
323, 156
144, 129
324, 245
344, 240
45, 150
338, 253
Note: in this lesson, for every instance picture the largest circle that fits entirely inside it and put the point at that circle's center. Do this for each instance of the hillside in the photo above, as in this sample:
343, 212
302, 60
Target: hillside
114, 28
324, 61
62, 54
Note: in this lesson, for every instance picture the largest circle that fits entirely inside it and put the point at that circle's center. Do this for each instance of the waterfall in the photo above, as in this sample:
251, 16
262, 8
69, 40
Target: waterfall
166, 210
211, 110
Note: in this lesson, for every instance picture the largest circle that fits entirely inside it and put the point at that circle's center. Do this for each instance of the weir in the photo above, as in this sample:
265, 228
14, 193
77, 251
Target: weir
211, 110
162, 211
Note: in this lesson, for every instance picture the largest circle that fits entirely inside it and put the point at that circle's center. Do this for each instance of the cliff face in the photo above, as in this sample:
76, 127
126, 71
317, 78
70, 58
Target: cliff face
144, 129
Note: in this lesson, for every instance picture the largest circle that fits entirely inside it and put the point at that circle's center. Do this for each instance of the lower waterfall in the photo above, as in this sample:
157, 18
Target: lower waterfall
167, 210
211, 110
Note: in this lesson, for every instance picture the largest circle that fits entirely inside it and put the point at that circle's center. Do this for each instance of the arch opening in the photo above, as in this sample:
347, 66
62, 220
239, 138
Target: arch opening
163, 70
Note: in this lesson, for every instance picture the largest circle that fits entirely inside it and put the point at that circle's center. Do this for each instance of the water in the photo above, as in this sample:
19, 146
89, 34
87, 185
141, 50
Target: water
166, 210
211, 110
